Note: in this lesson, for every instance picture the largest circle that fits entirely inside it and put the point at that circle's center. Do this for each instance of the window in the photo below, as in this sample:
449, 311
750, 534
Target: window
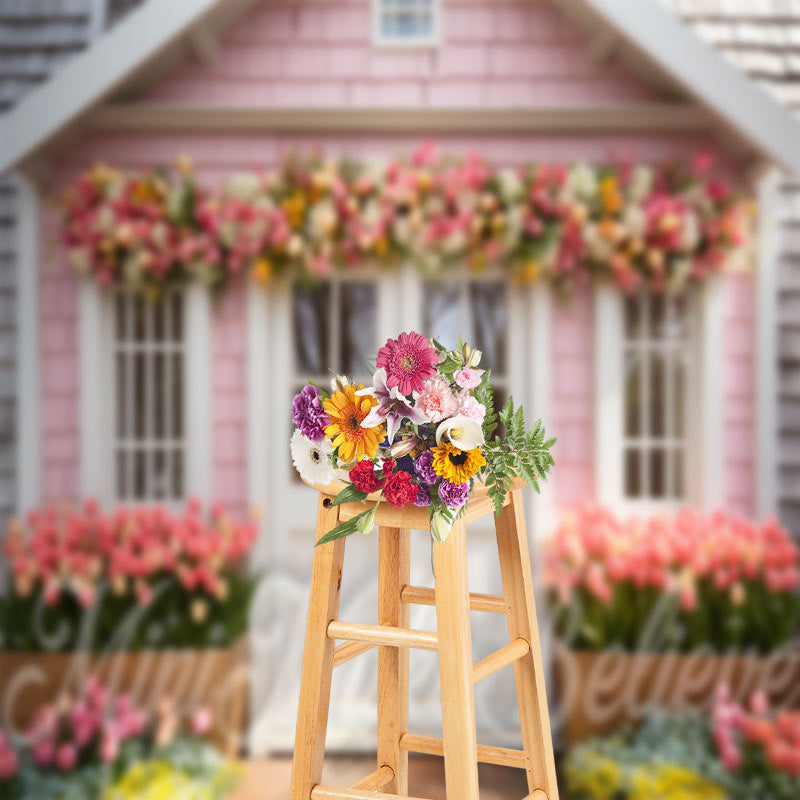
478, 310
657, 360
406, 22
149, 399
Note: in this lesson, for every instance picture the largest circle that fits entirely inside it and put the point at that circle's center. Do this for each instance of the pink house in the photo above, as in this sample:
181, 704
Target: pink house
657, 400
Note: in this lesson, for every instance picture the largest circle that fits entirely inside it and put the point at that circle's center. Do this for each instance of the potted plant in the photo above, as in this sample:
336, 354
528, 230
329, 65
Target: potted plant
154, 602
655, 612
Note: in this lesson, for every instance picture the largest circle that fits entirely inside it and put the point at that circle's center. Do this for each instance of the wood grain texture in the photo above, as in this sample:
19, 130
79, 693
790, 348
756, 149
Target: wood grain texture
330, 793
500, 658
315, 684
455, 665
382, 634
422, 596
515, 569
500, 756
394, 568
378, 780
345, 652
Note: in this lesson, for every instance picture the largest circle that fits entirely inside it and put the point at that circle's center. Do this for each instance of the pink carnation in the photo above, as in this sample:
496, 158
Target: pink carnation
469, 407
468, 378
437, 401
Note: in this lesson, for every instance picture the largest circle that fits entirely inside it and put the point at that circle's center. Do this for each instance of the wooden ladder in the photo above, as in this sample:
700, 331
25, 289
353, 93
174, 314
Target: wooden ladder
453, 641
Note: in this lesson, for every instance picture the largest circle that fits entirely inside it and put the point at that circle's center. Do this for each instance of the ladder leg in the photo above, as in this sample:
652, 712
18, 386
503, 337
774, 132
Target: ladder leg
315, 684
455, 666
393, 574
515, 567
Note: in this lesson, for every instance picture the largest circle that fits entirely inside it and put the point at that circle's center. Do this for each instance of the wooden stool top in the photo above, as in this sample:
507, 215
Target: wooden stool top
479, 505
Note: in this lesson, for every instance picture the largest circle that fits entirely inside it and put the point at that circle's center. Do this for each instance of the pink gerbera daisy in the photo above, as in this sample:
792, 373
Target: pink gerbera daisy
408, 361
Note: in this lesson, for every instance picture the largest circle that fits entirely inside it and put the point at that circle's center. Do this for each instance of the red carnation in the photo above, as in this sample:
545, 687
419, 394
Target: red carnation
364, 478
400, 490
388, 467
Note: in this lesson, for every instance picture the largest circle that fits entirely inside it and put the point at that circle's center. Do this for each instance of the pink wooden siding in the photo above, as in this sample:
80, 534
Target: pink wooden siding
58, 299
740, 404
319, 53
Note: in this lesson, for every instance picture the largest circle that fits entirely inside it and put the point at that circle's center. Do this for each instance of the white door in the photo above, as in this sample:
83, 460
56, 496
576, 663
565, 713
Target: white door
339, 324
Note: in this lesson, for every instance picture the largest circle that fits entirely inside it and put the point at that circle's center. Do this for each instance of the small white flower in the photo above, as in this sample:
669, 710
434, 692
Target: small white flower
641, 183
635, 221
690, 233
244, 185
322, 220
312, 459
510, 184
582, 182
464, 433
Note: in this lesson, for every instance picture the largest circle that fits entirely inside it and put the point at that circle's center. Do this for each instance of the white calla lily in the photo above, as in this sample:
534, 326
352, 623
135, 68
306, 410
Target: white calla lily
463, 432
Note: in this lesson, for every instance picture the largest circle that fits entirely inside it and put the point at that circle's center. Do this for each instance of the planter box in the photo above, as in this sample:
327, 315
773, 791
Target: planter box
216, 679
600, 692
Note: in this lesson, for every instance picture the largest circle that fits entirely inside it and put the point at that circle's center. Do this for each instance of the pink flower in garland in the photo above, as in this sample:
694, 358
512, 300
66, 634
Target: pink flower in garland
437, 401
408, 361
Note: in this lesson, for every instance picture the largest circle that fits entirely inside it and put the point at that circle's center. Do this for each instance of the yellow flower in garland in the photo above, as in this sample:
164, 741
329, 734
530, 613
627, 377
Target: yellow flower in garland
457, 466
347, 412
672, 782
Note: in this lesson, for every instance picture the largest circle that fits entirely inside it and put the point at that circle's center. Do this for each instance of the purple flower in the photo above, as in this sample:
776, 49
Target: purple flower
453, 495
423, 498
423, 466
308, 414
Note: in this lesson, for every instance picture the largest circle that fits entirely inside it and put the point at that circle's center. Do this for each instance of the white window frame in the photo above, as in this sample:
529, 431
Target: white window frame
703, 476
379, 39
97, 396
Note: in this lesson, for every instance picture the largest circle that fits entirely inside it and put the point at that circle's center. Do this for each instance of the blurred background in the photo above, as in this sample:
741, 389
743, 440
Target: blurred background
158, 550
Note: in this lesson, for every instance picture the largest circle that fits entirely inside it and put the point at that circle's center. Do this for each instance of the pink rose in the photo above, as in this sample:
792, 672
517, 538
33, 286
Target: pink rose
468, 378
437, 401
9, 763
469, 407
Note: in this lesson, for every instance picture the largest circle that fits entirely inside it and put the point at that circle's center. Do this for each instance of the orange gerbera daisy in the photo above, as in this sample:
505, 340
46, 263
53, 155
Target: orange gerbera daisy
347, 412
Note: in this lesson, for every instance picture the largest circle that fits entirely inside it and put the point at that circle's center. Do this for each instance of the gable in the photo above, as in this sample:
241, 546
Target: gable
496, 53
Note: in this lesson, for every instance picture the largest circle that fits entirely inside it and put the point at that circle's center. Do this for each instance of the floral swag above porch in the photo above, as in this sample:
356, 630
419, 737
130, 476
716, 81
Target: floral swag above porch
636, 225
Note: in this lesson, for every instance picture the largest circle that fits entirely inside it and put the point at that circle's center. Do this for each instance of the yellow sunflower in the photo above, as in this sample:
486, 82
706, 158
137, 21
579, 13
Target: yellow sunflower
346, 412
457, 466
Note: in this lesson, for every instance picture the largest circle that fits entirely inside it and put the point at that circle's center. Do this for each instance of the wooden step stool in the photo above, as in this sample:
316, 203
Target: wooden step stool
453, 641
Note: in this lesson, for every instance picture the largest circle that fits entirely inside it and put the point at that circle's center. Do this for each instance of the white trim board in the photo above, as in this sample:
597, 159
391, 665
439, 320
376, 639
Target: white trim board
156, 28
766, 333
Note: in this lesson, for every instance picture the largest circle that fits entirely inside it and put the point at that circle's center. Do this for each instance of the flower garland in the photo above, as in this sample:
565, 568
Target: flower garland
657, 227
420, 435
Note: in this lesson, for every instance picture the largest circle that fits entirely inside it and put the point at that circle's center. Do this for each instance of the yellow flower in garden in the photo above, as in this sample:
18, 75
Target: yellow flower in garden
457, 466
610, 196
672, 782
531, 271
295, 206
595, 776
262, 270
347, 412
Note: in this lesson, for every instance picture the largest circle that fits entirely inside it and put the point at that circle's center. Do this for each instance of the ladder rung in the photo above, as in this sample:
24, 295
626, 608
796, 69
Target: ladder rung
518, 649
383, 634
329, 793
344, 652
537, 795
372, 783
500, 756
477, 602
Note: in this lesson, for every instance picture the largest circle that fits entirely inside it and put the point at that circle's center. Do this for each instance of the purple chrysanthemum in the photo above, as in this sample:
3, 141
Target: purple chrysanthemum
308, 413
423, 466
423, 498
453, 495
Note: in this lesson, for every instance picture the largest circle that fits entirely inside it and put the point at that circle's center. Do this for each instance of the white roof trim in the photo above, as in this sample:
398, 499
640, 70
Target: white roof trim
88, 78
672, 46
150, 30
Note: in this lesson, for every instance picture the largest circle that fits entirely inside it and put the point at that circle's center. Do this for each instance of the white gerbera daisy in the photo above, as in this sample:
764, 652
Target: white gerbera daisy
312, 459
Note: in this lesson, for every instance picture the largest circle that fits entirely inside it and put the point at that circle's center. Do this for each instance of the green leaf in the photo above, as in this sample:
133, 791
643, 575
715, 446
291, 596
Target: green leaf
345, 529
348, 495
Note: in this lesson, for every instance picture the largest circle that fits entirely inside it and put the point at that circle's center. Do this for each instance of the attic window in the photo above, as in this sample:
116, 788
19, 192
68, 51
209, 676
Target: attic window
405, 23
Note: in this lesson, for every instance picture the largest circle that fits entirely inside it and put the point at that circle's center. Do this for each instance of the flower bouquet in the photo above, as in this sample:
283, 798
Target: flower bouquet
422, 434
